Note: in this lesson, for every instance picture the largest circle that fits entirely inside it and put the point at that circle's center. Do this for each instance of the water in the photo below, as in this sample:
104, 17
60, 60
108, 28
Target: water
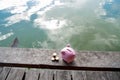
85, 24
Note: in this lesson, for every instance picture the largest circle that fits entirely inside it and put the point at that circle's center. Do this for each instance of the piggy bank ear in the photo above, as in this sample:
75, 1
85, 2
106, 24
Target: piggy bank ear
68, 45
63, 52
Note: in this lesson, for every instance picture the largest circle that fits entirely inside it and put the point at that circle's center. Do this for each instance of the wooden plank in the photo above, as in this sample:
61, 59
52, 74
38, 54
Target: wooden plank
46, 75
62, 75
113, 75
40, 58
32, 74
118, 74
95, 75
4, 73
78, 75
1, 68
16, 74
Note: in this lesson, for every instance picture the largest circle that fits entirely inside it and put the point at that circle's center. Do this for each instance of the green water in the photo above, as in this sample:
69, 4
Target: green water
85, 24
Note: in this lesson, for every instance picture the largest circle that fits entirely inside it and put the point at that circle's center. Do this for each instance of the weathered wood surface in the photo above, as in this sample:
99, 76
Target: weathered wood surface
4, 73
32, 74
40, 74
39, 58
15, 74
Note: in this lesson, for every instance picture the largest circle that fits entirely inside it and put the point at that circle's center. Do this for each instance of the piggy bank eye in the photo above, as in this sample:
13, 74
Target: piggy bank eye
69, 50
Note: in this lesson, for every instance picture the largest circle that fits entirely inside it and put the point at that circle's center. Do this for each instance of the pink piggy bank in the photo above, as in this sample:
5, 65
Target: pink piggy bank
68, 54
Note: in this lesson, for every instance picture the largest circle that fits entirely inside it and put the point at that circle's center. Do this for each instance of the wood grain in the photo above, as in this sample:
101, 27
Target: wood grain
16, 74
1, 68
95, 75
78, 75
63, 75
113, 75
46, 75
32, 74
4, 73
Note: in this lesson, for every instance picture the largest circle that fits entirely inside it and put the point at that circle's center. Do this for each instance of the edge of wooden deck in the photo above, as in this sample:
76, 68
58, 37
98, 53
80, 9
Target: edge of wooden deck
40, 58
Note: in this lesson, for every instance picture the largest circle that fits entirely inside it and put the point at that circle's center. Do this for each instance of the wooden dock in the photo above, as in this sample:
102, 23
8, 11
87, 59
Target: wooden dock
7, 73
36, 64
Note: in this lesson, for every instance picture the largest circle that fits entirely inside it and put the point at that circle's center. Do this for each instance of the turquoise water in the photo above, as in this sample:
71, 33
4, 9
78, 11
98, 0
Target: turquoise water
85, 24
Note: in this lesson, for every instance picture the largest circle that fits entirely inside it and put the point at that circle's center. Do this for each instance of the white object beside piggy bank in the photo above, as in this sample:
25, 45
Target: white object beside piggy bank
68, 54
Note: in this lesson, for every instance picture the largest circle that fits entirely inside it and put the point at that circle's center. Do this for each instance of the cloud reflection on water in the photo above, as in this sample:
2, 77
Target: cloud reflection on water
5, 36
83, 23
